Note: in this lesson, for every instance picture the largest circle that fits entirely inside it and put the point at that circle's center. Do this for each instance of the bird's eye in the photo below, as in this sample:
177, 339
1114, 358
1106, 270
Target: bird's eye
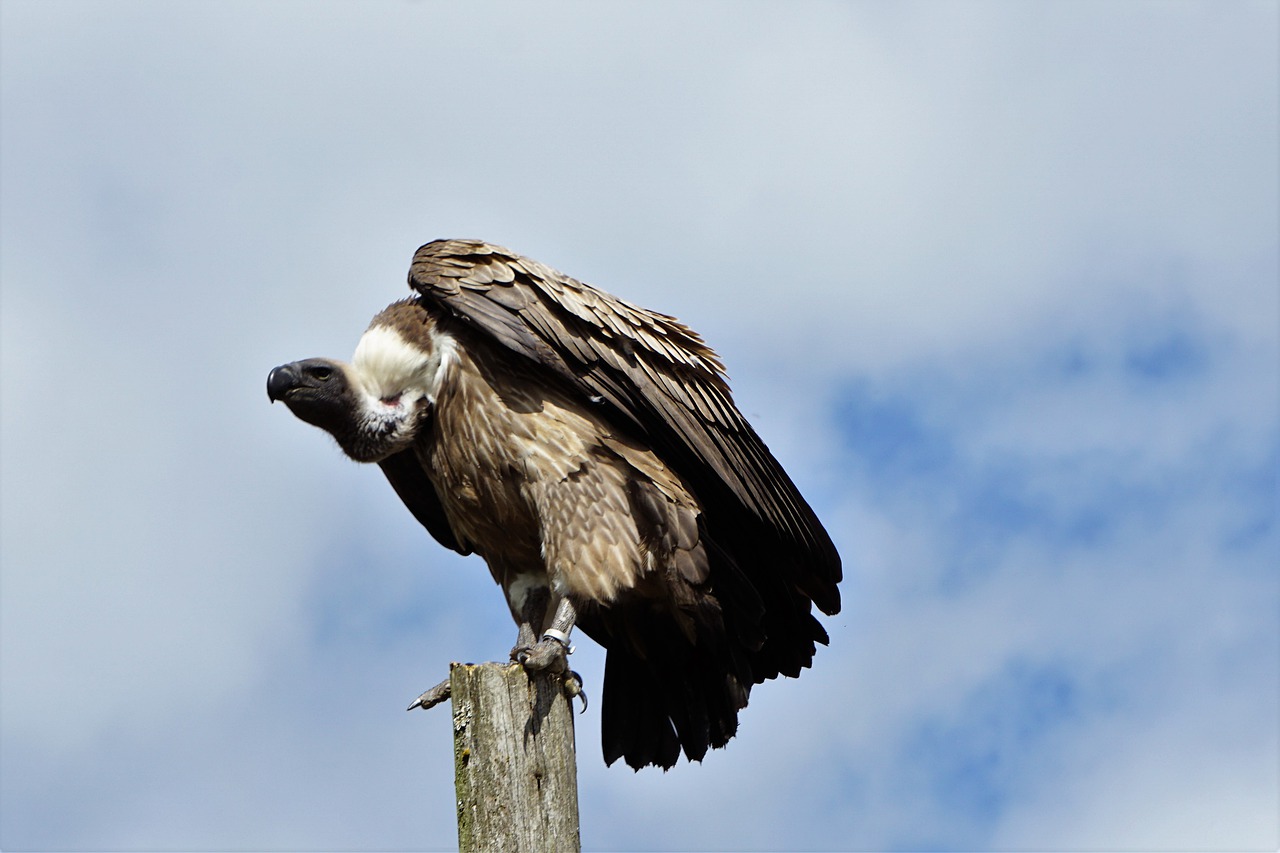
321, 373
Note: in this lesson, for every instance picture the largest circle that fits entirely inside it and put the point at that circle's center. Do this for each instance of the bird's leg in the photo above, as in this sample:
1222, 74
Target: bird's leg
533, 610
551, 653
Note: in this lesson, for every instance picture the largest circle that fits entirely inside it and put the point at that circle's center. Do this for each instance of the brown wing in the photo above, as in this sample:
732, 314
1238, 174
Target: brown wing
657, 378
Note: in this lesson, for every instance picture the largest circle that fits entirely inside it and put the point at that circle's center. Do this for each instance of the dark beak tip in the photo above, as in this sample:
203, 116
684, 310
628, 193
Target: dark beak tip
279, 381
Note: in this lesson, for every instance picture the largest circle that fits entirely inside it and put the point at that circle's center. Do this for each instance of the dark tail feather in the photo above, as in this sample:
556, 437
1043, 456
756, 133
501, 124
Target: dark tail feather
679, 695
634, 723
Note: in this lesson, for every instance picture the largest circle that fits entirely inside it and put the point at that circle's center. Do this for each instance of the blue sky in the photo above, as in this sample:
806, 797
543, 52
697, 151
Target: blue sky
998, 283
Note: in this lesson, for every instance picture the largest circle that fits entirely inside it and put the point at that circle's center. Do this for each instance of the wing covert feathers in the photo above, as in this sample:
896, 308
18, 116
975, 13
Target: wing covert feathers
659, 376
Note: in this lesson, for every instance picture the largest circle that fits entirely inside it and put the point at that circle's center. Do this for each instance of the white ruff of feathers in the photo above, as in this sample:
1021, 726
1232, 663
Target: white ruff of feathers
391, 376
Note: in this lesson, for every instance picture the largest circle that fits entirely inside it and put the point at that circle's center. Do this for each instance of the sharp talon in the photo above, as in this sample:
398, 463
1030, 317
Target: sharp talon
573, 687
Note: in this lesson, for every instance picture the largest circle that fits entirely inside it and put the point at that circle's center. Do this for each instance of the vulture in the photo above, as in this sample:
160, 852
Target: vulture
591, 452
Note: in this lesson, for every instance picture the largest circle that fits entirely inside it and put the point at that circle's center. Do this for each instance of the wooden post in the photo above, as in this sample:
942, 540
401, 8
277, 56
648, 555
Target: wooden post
514, 765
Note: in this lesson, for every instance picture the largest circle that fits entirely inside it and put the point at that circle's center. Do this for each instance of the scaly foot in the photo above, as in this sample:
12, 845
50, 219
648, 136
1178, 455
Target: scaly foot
432, 697
546, 655
551, 655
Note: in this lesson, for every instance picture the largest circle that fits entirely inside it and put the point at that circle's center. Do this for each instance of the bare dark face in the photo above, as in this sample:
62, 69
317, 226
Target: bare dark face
316, 390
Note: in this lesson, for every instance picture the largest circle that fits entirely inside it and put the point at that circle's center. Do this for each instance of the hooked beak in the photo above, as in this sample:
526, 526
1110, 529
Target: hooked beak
280, 381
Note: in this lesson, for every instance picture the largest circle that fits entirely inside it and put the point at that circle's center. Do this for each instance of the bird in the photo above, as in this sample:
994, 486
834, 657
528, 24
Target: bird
590, 451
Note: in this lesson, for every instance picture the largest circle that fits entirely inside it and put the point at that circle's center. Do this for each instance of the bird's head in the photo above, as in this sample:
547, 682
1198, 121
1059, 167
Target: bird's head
376, 405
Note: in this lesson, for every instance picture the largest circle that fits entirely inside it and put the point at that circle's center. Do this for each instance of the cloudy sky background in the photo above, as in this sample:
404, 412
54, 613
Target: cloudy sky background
997, 282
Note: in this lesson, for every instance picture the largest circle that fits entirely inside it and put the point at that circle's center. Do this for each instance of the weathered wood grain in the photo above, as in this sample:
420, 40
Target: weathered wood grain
514, 762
